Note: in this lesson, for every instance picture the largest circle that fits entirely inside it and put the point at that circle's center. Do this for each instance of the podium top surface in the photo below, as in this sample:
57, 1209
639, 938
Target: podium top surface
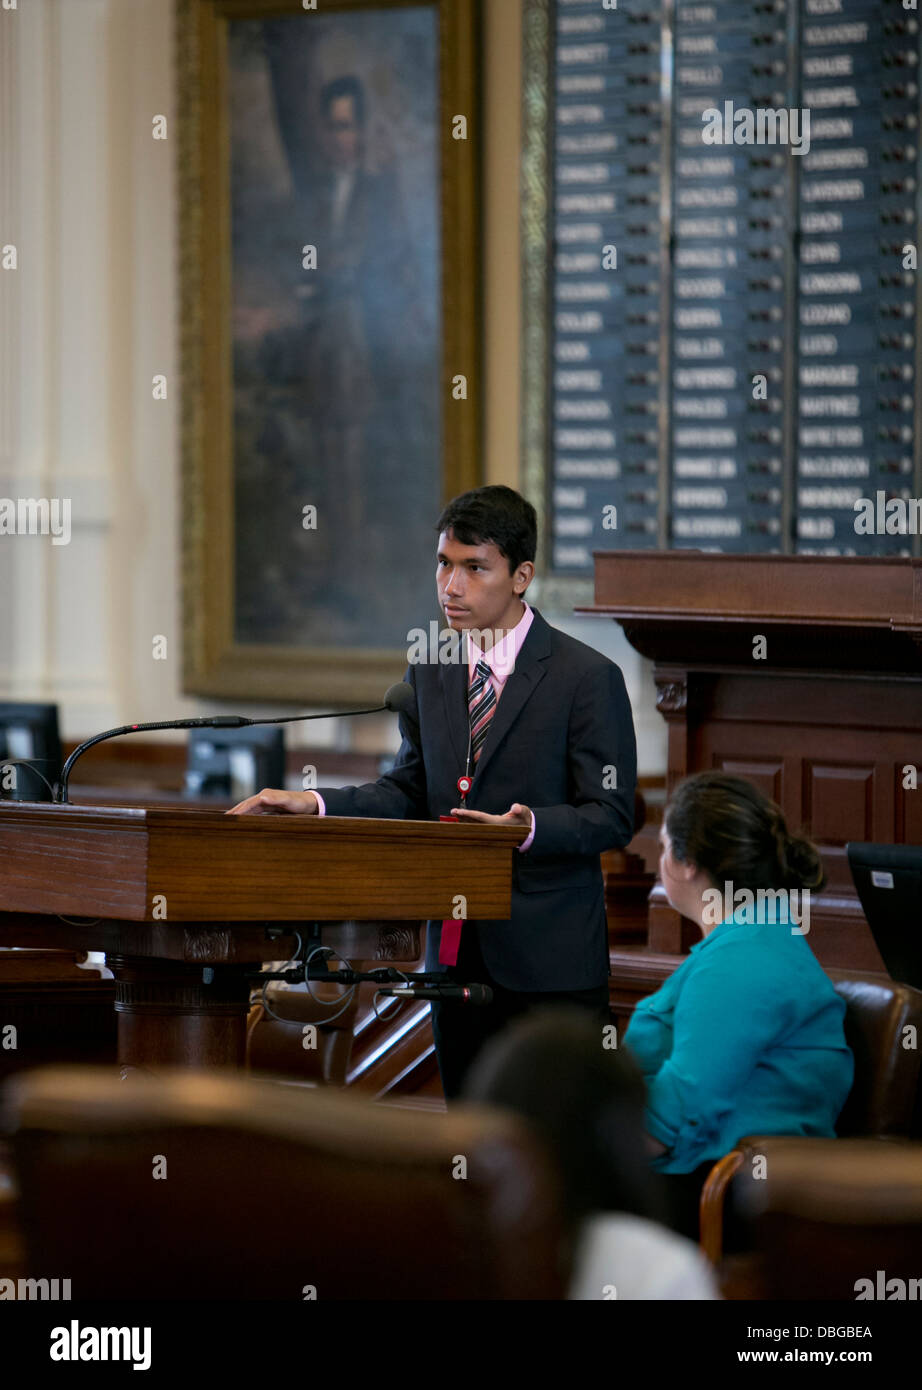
148, 864
153, 818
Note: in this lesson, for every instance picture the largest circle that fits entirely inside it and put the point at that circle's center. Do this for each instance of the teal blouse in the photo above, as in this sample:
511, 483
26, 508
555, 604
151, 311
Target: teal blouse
746, 1037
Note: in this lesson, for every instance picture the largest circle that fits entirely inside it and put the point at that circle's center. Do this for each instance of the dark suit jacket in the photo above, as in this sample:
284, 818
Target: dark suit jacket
562, 724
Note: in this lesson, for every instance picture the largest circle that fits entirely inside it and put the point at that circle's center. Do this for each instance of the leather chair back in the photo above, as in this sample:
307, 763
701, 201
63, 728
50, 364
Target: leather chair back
269, 1193
276, 1046
883, 1027
847, 1225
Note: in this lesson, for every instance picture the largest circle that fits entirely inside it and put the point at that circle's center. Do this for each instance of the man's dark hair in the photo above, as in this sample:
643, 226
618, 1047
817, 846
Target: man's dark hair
585, 1100
344, 87
496, 515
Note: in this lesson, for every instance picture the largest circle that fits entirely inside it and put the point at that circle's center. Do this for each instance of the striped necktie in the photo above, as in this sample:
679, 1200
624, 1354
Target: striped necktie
481, 706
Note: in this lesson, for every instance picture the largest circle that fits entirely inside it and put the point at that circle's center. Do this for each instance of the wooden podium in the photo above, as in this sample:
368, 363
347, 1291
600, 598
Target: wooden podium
186, 904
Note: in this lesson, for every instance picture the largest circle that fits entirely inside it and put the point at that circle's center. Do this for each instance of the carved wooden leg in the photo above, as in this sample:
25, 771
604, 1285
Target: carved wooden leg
171, 1014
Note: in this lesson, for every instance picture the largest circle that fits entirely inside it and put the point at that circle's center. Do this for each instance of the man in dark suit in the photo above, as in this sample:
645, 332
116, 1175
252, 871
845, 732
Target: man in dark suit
543, 725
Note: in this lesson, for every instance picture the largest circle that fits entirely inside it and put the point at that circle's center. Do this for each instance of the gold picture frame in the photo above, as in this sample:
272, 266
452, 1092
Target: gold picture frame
216, 662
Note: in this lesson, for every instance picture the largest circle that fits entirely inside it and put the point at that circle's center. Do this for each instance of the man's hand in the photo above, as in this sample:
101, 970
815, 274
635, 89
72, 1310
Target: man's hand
273, 801
516, 815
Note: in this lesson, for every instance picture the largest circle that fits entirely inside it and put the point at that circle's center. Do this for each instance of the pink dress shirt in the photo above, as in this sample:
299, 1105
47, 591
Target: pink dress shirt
501, 660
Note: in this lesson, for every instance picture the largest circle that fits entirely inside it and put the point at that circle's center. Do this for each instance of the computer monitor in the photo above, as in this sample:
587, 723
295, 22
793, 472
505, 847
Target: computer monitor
889, 883
29, 731
234, 762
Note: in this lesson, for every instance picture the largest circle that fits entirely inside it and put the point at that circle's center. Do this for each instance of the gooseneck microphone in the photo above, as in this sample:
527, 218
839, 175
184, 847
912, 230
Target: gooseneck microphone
399, 698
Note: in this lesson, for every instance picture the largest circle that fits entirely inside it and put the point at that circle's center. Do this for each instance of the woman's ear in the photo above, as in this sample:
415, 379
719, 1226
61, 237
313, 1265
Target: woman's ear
688, 871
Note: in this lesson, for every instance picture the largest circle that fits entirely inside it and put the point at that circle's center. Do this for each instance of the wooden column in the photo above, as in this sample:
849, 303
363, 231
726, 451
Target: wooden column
172, 1014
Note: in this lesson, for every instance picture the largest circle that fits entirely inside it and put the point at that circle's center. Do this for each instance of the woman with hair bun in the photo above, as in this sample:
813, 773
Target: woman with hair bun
746, 1037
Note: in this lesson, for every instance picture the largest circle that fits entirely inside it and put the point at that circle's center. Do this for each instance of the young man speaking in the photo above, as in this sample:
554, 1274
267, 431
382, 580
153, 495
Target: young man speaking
542, 724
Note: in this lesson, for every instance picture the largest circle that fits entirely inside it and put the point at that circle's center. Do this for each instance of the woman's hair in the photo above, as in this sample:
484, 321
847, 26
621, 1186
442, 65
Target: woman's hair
585, 1100
727, 827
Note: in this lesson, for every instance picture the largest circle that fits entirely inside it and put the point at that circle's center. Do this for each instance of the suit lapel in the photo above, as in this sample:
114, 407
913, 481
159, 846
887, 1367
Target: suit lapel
453, 680
530, 669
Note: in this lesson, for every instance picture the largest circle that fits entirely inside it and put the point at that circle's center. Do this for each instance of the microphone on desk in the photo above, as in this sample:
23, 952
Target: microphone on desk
399, 698
462, 994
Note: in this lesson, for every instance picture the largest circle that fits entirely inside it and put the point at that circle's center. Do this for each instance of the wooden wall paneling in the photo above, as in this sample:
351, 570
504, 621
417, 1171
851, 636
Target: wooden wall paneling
884, 812
792, 792
839, 800
907, 808
767, 774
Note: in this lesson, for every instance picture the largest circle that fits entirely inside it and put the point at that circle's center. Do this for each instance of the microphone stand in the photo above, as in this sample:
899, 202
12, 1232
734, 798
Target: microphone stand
382, 975
387, 976
393, 701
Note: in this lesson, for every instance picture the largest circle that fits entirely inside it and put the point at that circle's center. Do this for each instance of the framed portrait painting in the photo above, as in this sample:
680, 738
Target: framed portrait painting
328, 172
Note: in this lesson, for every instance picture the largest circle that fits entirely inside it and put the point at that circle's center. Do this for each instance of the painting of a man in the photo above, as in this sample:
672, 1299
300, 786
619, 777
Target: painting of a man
336, 343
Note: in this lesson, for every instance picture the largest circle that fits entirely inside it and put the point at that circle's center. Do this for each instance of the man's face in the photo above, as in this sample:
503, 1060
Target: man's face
475, 587
341, 133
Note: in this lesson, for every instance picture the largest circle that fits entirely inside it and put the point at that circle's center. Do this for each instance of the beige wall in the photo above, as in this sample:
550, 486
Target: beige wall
91, 316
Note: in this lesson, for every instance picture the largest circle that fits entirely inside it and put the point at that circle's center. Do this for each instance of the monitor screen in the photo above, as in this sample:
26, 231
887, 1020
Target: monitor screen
889, 883
30, 751
234, 762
